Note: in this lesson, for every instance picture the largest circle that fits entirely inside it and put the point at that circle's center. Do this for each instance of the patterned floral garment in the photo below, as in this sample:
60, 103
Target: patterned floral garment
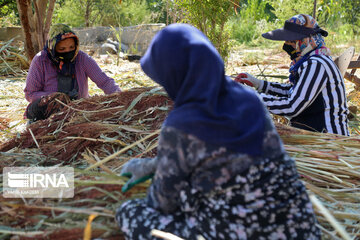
202, 190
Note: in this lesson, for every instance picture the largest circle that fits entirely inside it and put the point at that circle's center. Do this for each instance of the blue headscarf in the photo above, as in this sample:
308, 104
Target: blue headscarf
207, 104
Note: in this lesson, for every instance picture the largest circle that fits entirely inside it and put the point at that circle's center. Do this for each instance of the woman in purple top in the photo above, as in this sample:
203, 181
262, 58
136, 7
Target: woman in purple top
62, 68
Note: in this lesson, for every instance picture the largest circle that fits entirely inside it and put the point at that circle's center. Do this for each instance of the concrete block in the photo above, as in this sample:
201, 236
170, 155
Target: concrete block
8, 33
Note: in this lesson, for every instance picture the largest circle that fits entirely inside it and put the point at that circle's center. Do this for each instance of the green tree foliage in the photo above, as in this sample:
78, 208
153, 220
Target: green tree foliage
287, 8
258, 16
352, 15
82, 13
69, 12
336, 13
158, 7
7, 6
8, 13
256, 10
216, 18
133, 12
252, 17
210, 16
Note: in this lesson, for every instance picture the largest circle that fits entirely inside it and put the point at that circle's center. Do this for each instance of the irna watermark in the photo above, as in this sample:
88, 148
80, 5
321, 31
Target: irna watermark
38, 182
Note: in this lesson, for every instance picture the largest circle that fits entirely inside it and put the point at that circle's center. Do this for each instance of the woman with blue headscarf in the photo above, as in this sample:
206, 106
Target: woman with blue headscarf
315, 97
221, 171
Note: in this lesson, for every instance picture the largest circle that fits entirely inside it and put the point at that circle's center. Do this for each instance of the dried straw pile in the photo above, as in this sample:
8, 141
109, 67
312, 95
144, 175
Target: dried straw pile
102, 124
12, 59
97, 135
330, 168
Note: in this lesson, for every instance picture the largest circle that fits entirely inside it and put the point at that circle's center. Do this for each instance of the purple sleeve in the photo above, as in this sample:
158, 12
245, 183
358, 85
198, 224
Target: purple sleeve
95, 73
35, 81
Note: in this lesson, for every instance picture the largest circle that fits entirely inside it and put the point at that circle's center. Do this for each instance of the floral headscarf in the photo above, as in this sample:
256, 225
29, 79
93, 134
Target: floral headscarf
306, 47
314, 42
57, 33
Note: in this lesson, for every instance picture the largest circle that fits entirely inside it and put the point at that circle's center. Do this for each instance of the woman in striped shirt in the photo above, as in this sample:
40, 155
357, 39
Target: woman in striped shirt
315, 98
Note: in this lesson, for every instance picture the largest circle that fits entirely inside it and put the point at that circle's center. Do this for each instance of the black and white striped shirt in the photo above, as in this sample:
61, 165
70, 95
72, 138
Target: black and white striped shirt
317, 100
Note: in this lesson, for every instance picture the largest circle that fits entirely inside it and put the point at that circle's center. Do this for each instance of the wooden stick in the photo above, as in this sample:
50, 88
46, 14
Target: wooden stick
108, 158
330, 218
164, 235
34, 138
85, 111
352, 78
93, 161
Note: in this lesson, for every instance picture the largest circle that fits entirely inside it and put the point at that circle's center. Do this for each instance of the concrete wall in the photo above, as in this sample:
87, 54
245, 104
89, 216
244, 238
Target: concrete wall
95, 35
11, 32
140, 36
136, 38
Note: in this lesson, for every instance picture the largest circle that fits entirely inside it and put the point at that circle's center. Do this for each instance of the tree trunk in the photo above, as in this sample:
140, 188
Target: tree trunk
49, 15
87, 14
35, 16
314, 10
23, 6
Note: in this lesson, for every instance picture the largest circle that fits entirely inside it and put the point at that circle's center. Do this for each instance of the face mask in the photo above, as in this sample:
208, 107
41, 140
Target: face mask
66, 56
290, 50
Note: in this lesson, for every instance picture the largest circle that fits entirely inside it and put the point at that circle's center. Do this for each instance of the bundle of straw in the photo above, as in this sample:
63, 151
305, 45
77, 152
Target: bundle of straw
12, 59
96, 194
101, 123
98, 135
330, 168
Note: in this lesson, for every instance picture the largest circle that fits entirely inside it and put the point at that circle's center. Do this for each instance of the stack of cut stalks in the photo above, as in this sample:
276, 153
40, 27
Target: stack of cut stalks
330, 168
97, 135
12, 59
